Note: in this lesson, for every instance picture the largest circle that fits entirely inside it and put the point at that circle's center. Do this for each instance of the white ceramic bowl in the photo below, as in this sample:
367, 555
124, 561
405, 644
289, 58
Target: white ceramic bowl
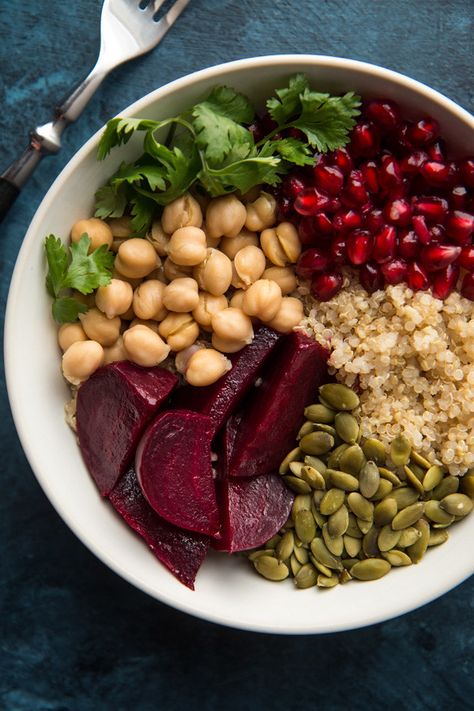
227, 591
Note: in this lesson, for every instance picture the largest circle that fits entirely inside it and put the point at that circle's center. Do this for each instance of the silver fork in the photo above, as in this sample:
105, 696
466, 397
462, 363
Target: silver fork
127, 30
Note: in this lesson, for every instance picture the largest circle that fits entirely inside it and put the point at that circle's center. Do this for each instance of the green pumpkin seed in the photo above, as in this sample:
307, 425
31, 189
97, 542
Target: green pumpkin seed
400, 450
318, 517
305, 526
418, 549
408, 516
290, 457
449, 485
364, 526
301, 503
408, 537
306, 428
389, 476
384, 489
297, 485
344, 577
296, 467
318, 496
457, 504
434, 512
352, 460
327, 582
306, 577
285, 546
342, 480
369, 479
352, 546
353, 529
347, 427
317, 443
335, 545
339, 396
388, 538
397, 558
360, 507
467, 483
272, 543
338, 522
256, 554
326, 428
349, 562
413, 480
437, 538
319, 413
385, 511
331, 501
301, 555
316, 463
313, 478
374, 450
405, 496
419, 459
295, 565
336, 454
322, 554
370, 569
418, 471
271, 568
369, 543
322, 568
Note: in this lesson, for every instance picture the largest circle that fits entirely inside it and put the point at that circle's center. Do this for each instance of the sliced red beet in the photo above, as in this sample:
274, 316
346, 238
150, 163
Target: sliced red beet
182, 552
173, 465
220, 399
113, 408
273, 412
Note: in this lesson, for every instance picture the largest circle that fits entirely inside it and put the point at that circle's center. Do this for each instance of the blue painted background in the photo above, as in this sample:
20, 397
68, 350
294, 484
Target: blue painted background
74, 636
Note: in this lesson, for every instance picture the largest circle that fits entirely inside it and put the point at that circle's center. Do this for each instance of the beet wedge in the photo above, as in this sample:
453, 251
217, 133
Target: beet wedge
173, 465
113, 408
182, 552
220, 399
273, 413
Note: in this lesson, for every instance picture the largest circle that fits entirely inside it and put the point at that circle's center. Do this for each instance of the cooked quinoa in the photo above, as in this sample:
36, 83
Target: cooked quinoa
412, 358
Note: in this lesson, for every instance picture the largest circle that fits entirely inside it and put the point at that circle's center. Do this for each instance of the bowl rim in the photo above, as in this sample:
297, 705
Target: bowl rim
286, 61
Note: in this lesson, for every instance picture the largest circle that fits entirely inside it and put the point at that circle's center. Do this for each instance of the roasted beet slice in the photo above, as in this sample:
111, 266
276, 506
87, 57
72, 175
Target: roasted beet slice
113, 408
173, 465
182, 552
252, 510
273, 412
220, 399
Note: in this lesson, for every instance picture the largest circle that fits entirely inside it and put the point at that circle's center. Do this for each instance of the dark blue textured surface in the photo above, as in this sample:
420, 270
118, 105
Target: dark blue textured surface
74, 636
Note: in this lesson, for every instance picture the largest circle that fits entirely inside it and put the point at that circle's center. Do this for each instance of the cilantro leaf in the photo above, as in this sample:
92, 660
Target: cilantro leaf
136, 173
179, 170
241, 175
288, 103
292, 150
119, 131
143, 210
230, 104
56, 256
109, 202
87, 272
217, 135
326, 120
66, 309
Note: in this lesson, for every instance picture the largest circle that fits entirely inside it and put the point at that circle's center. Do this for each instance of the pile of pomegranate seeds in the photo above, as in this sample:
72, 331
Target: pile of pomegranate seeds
391, 205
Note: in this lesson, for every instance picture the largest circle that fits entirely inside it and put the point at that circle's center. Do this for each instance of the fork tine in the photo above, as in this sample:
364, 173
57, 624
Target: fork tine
170, 18
153, 7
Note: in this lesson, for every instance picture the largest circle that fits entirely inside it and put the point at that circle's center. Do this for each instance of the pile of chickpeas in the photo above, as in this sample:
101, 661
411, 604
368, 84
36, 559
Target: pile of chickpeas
220, 273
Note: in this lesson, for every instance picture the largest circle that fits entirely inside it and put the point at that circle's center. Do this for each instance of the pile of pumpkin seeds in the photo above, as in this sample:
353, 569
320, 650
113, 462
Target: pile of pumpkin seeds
359, 510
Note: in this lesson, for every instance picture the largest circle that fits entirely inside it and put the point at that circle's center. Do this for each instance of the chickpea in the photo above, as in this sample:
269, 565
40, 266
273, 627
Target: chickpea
284, 277
182, 295
237, 298
115, 352
187, 246
136, 258
281, 244
159, 238
249, 265
288, 315
70, 333
180, 331
252, 194
144, 347
213, 242
81, 359
115, 246
98, 231
182, 358
262, 299
115, 298
185, 211
206, 366
208, 306
225, 216
232, 324
214, 274
120, 227
100, 328
261, 213
154, 325
227, 345
157, 274
231, 245
148, 300
173, 271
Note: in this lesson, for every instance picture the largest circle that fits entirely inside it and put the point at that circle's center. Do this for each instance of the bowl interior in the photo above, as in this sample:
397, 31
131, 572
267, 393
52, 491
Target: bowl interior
227, 591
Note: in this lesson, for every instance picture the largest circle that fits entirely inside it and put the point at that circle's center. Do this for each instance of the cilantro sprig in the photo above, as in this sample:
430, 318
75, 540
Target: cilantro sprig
79, 270
214, 148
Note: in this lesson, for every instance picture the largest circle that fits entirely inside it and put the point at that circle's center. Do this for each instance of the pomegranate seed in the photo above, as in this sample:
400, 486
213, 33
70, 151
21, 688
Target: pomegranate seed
412, 163
342, 159
384, 113
398, 139
365, 139
257, 131
417, 278
310, 201
438, 234
460, 226
438, 256
390, 175
437, 174
437, 151
394, 271
355, 193
284, 207
307, 231
423, 132
458, 197
360, 244
400, 191
398, 212
466, 258
311, 261
384, 246
467, 286
421, 229
371, 277
374, 220
334, 205
296, 133
267, 123
329, 178
370, 174
346, 220
323, 224
466, 168
445, 281
408, 244
434, 209
292, 186
338, 250
326, 285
